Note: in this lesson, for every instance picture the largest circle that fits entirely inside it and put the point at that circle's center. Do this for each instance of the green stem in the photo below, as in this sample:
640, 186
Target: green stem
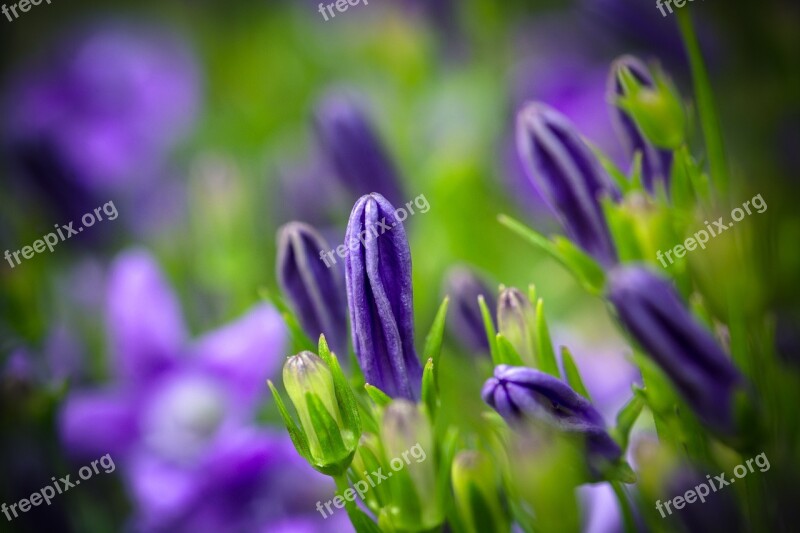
705, 103
625, 507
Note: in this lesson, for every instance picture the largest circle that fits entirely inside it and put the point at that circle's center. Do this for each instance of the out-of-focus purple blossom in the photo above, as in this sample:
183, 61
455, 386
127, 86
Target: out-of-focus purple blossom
380, 298
313, 289
307, 192
99, 115
351, 145
719, 510
465, 320
656, 163
568, 175
178, 416
652, 311
520, 393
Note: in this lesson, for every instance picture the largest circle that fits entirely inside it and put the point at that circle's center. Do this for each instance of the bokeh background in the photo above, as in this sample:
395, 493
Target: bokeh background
148, 337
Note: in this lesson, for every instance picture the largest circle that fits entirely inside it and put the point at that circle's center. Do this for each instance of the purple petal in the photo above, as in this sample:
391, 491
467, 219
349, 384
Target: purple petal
92, 424
245, 353
144, 317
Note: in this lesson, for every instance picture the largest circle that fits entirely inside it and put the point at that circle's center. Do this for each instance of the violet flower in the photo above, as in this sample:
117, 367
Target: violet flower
656, 162
100, 115
313, 288
650, 308
568, 176
178, 416
465, 320
519, 393
380, 298
353, 148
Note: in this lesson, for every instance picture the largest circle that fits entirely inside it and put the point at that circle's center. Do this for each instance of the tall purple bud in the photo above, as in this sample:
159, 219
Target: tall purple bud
654, 314
568, 176
519, 393
353, 148
465, 321
313, 289
656, 162
379, 295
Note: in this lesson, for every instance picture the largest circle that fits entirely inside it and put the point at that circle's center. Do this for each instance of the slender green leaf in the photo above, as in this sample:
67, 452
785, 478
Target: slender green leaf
572, 373
380, 398
488, 325
544, 345
299, 438
430, 393
433, 342
626, 418
506, 354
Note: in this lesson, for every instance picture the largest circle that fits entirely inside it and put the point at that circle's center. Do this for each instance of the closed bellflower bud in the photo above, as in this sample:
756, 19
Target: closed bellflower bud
656, 162
516, 320
568, 176
408, 442
380, 298
309, 382
353, 148
478, 493
651, 101
465, 320
519, 393
652, 311
313, 289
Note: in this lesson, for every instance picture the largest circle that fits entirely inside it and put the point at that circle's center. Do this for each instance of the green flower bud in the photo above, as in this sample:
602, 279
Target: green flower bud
656, 109
329, 424
408, 442
478, 493
516, 321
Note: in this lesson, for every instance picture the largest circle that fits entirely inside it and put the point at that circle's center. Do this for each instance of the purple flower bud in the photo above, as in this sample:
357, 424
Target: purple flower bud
313, 289
380, 298
520, 393
568, 176
654, 314
465, 320
656, 163
354, 149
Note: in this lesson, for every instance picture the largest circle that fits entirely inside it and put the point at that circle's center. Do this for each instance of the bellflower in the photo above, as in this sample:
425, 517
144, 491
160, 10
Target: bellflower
380, 298
178, 415
353, 148
519, 393
651, 310
313, 289
101, 113
568, 176
656, 162
465, 321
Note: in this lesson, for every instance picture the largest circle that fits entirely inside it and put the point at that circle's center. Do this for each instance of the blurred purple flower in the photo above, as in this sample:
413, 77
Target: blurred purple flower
652, 311
465, 320
353, 148
101, 113
519, 393
178, 416
380, 298
656, 163
568, 175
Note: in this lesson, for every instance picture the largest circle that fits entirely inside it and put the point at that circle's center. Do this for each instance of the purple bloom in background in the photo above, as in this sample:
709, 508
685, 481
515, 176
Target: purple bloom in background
568, 176
313, 288
465, 320
652, 311
380, 298
99, 115
178, 416
519, 393
352, 147
656, 163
